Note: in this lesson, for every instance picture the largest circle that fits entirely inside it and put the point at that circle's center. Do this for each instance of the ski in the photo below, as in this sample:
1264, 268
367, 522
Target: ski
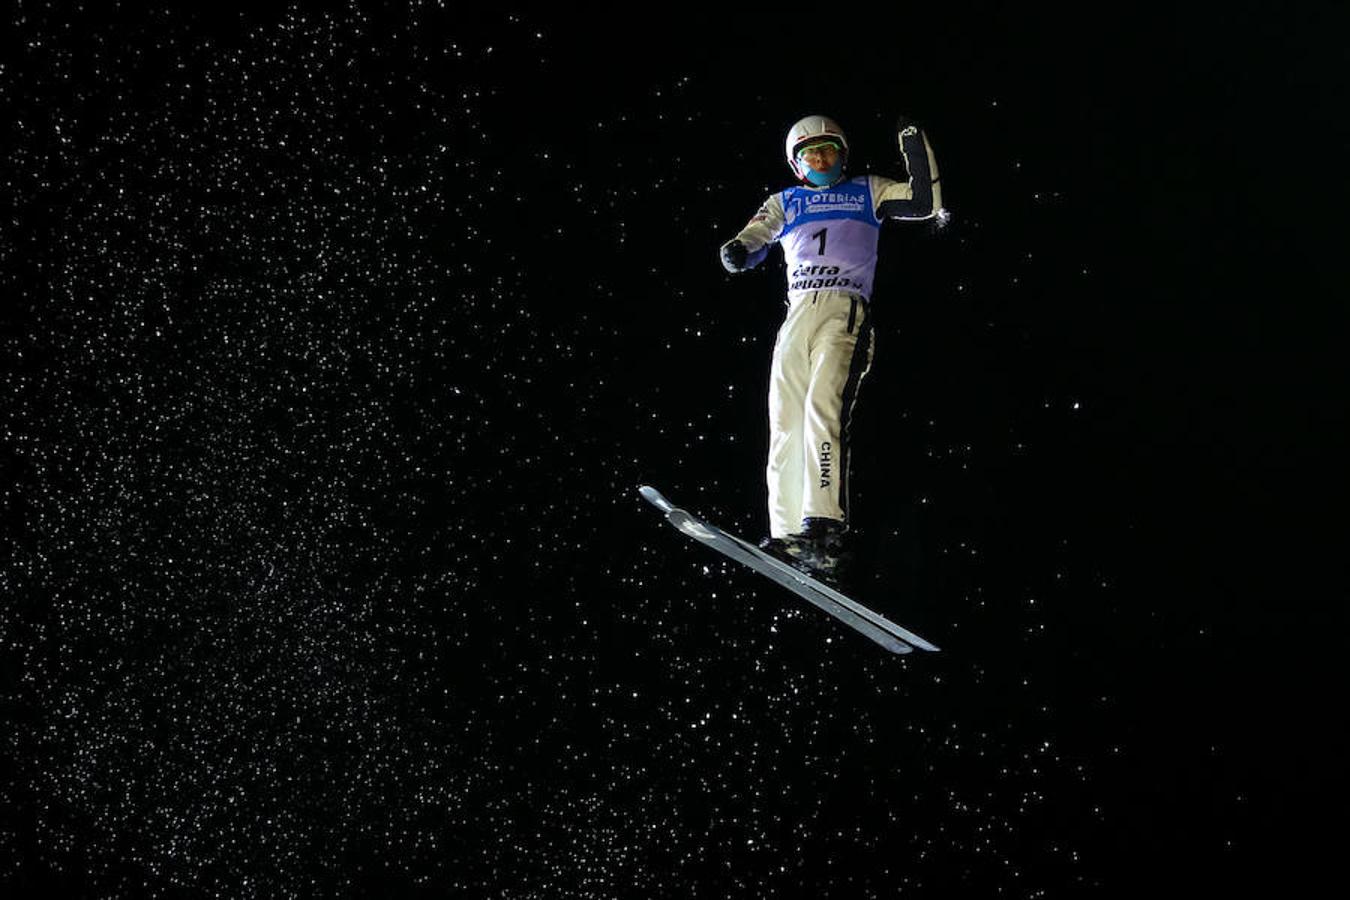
853, 614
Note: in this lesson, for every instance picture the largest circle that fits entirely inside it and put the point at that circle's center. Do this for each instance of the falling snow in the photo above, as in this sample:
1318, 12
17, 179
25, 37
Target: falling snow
335, 347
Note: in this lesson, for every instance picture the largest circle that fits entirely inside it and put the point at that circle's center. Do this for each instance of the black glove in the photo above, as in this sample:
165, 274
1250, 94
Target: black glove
734, 256
906, 127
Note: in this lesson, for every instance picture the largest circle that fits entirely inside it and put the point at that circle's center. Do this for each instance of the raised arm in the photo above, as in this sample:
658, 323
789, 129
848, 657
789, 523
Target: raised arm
919, 198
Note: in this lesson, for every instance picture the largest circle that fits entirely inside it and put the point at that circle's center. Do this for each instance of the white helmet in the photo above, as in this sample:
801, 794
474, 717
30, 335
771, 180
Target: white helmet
813, 129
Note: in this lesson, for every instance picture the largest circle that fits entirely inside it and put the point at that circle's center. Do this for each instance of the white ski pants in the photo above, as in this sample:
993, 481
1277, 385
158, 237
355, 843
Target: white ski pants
824, 349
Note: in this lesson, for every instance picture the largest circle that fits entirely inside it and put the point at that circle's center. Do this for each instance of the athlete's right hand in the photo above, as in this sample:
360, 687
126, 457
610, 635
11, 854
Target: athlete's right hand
734, 256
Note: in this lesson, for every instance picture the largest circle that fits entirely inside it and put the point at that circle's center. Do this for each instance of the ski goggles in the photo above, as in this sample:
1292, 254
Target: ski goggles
819, 147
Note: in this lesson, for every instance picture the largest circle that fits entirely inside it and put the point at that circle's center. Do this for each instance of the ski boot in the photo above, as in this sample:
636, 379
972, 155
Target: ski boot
787, 549
824, 550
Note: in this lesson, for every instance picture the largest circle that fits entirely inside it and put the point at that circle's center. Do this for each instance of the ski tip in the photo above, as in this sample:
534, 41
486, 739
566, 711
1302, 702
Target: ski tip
653, 496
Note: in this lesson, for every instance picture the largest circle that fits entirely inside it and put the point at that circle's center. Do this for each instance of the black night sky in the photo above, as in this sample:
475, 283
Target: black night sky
337, 339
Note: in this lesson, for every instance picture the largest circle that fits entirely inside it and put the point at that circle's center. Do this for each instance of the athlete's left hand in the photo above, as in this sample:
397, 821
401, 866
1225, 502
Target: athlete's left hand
904, 125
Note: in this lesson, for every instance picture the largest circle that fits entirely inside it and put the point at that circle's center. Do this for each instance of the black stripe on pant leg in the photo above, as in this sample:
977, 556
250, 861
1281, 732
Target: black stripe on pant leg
857, 367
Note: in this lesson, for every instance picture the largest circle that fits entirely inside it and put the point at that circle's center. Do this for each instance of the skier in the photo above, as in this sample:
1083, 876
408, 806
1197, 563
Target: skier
828, 226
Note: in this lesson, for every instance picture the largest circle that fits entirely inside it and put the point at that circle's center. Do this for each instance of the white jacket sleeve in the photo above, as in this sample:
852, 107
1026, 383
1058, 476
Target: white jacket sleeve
763, 229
